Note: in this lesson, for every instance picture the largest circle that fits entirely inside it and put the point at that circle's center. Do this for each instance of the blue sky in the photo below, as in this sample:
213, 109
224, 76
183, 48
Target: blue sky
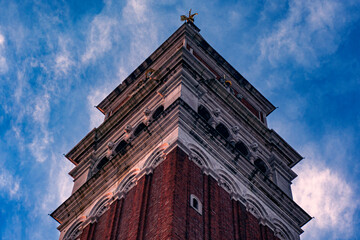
58, 59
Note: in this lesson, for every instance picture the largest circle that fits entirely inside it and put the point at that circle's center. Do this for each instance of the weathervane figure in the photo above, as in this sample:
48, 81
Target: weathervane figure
190, 18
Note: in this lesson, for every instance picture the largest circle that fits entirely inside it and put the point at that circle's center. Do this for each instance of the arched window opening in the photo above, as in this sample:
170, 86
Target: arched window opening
121, 146
158, 112
241, 147
102, 162
261, 165
222, 130
204, 113
139, 129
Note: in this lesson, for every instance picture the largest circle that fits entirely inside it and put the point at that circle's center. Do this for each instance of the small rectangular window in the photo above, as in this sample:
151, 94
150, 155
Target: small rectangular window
195, 203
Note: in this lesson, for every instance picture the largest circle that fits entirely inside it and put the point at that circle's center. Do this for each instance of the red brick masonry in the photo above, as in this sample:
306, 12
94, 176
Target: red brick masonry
158, 207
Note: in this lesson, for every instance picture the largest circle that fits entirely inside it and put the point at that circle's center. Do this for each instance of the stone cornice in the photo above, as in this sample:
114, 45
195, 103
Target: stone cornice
96, 136
116, 167
269, 135
169, 43
90, 140
257, 182
222, 63
176, 116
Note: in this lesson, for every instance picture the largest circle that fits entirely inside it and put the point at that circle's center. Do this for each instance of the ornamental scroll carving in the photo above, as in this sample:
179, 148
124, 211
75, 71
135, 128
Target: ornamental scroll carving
74, 231
196, 158
75, 234
280, 234
154, 162
102, 209
253, 210
155, 159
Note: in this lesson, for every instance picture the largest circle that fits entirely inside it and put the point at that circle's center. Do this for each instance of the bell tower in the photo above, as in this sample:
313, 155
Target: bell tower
184, 152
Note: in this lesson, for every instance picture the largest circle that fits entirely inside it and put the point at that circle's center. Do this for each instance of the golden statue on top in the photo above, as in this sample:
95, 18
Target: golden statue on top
190, 18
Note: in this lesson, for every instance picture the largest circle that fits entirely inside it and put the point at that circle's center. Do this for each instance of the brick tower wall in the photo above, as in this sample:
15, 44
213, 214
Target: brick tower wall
158, 207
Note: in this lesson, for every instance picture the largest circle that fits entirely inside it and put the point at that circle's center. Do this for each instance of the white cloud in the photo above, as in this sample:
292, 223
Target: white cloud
141, 24
137, 9
3, 63
18, 92
2, 40
63, 60
59, 188
100, 39
310, 31
326, 195
94, 98
41, 109
42, 138
8, 183
40, 144
138, 24
122, 73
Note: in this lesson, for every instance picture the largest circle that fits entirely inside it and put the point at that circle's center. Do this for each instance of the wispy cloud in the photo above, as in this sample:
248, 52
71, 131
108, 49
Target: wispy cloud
141, 24
41, 109
57, 63
9, 184
138, 27
100, 37
43, 138
309, 32
96, 95
302, 40
326, 194
2, 40
3, 62
94, 98
59, 189
63, 59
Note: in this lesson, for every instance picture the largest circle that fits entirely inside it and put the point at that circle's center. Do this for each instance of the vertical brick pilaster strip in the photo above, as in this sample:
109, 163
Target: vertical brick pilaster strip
131, 212
242, 220
262, 232
220, 211
270, 234
225, 215
206, 207
91, 231
85, 233
253, 227
268, 237
139, 199
195, 220
101, 227
179, 195
214, 209
235, 220
186, 174
144, 204
209, 207
117, 218
111, 218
